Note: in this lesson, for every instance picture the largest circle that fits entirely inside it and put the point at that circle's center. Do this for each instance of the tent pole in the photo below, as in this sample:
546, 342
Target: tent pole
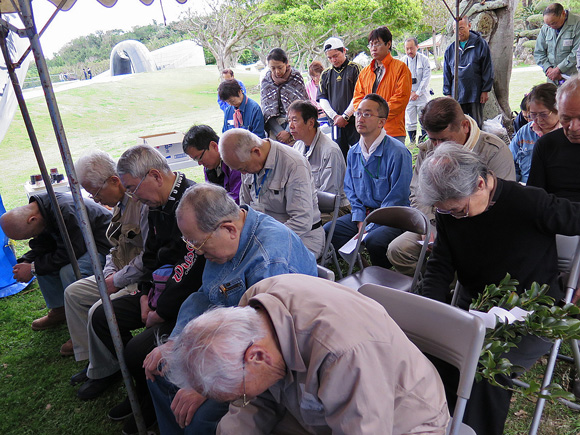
28, 20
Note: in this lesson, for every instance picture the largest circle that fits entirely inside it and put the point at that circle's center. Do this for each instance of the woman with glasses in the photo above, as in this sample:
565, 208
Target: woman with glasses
487, 227
543, 116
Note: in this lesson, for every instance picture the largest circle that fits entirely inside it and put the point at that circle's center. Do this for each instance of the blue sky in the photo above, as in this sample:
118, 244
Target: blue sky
88, 16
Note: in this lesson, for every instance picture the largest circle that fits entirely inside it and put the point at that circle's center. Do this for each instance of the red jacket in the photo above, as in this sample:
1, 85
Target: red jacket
395, 87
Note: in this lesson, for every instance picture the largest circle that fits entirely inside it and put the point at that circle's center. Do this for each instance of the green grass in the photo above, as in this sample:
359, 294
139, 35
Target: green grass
36, 396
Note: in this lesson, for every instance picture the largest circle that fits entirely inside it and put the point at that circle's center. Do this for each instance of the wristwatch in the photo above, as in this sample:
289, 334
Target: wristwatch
32, 269
345, 116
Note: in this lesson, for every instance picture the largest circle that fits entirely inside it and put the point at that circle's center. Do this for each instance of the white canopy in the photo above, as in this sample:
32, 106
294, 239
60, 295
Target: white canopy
7, 6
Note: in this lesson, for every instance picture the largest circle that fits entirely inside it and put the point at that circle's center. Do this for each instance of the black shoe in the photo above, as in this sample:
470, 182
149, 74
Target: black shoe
80, 378
95, 387
130, 427
121, 411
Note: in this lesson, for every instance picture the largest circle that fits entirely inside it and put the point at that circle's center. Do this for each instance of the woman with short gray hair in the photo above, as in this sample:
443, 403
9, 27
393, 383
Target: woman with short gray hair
487, 227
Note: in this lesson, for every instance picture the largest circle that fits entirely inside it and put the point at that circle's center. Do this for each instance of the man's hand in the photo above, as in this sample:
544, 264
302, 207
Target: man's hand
339, 121
184, 405
284, 137
554, 73
414, 96
22, 272
144, 301
358, 226
484, 97
111, 285
152, 360
153, 319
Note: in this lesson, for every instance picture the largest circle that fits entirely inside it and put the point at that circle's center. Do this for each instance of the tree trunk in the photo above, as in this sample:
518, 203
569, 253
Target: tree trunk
436, 51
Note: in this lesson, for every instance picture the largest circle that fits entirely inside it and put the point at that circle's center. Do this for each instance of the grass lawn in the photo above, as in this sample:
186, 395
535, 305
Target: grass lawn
36, 396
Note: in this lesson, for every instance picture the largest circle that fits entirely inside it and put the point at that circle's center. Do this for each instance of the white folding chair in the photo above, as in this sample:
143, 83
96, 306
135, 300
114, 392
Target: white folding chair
406, 219
329, 203
325, 273
445, 332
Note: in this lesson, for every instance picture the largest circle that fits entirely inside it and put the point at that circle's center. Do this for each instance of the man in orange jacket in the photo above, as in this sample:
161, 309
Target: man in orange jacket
388, 77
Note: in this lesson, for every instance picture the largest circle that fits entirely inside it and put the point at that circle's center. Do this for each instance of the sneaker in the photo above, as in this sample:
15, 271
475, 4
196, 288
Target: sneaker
121, 411
54, 318
130, 427
93, 388
67, 348
80, 378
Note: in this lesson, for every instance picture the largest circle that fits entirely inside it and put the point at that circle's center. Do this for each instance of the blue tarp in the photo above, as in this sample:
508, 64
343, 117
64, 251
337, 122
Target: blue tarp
8, 285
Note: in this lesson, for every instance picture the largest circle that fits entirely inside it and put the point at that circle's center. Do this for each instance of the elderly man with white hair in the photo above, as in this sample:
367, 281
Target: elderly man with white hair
127, 232
303, 355
242, 247
487, 227
276, 180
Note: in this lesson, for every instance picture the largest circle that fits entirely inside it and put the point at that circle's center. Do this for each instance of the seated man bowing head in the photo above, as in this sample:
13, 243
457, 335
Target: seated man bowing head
242, 247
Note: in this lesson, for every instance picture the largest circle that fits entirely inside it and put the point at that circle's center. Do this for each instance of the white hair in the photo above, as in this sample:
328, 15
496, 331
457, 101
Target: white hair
140, 159
241, 141
208, 355
95, 168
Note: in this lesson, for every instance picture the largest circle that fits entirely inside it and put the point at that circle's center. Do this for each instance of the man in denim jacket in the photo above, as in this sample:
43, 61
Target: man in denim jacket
242, 247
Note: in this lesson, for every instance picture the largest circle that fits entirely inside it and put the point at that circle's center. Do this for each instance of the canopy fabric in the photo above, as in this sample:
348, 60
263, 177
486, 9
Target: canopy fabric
6, 6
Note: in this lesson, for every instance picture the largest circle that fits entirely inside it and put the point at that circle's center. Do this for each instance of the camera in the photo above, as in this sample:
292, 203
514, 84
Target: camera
414, 80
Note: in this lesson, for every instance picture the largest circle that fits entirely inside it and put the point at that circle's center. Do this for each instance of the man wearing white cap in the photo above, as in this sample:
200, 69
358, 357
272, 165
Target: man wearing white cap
335, 93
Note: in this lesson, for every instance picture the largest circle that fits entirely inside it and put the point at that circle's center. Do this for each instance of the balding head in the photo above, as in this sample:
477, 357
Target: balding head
568, 105
243, 151
23, 223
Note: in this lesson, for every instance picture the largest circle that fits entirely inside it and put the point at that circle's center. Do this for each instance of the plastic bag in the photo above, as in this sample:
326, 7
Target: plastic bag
494, 126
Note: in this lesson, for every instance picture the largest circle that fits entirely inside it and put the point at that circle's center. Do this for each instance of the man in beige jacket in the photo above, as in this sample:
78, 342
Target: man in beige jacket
444, 120
304, 355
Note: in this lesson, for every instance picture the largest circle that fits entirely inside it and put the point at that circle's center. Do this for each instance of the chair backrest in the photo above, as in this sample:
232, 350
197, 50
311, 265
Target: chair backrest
569, 261
328, 203
325, 273
448, 333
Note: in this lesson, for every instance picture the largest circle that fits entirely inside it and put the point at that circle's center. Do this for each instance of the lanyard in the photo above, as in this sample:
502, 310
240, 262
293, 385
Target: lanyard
376, 177
258, 190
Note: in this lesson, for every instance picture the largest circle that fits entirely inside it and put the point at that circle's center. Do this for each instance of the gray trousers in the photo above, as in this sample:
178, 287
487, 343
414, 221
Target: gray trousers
81, 298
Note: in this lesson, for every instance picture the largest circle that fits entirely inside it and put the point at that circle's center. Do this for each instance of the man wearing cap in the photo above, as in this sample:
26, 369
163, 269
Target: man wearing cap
336, 91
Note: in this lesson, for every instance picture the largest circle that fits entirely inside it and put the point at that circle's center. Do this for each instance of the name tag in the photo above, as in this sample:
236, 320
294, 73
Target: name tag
567, 42
231, 121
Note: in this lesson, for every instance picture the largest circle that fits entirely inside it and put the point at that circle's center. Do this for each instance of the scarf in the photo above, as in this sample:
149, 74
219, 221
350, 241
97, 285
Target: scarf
277, 97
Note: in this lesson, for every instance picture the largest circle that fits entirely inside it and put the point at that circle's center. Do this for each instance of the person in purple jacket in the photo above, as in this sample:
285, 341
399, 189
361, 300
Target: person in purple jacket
201, 144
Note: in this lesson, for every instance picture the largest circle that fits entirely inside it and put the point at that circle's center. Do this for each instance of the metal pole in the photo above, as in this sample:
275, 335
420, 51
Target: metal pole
456, 68
38, 153
28, 20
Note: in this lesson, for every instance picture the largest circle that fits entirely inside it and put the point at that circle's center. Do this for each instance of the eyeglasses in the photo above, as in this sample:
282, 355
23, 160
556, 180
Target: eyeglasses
191, 245
365, 115
96, 195
197, 159
374, 44
134, 192
243, 401
457, 214
541, 115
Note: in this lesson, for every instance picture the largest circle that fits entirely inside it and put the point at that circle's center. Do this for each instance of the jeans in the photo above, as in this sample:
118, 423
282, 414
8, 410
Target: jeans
205, 419
376, 242
53, 284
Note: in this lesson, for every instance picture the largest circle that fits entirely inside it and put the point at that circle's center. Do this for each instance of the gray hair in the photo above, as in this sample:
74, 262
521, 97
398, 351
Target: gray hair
210, 204
95, 168
570, 86
208, 355
139, 159
412, 38
450, 172
244, 142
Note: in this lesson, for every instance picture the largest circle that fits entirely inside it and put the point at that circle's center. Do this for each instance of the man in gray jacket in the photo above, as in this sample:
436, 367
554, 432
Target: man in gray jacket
444, 121
558, 43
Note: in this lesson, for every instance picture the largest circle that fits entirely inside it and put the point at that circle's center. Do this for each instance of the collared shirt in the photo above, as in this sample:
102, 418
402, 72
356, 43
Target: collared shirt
251, 115
420, 70
228, 178
349, 368
367, 153
327, 164
266, 248
287, 193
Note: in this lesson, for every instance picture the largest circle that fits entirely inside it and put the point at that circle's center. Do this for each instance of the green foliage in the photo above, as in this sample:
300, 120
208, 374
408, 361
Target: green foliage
209, 57
547, 320
529, 44
535, 21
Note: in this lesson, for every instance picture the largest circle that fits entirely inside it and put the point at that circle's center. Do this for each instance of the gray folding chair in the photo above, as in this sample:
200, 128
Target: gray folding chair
325, 273
445, 332
329, 203
406, 219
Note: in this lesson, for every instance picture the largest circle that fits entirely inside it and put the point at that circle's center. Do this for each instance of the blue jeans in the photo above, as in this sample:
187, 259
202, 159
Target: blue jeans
53, 284
205, 420
376, 242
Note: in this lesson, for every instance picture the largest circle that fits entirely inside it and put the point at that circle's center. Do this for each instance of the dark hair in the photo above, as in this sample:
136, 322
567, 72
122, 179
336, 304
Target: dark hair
524, 103
554, 9
199, 137
440, 113
228, 71
315, 68
228, 89
306, 109
383, 106
412, 38
544, 94
382, 32
277, 54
